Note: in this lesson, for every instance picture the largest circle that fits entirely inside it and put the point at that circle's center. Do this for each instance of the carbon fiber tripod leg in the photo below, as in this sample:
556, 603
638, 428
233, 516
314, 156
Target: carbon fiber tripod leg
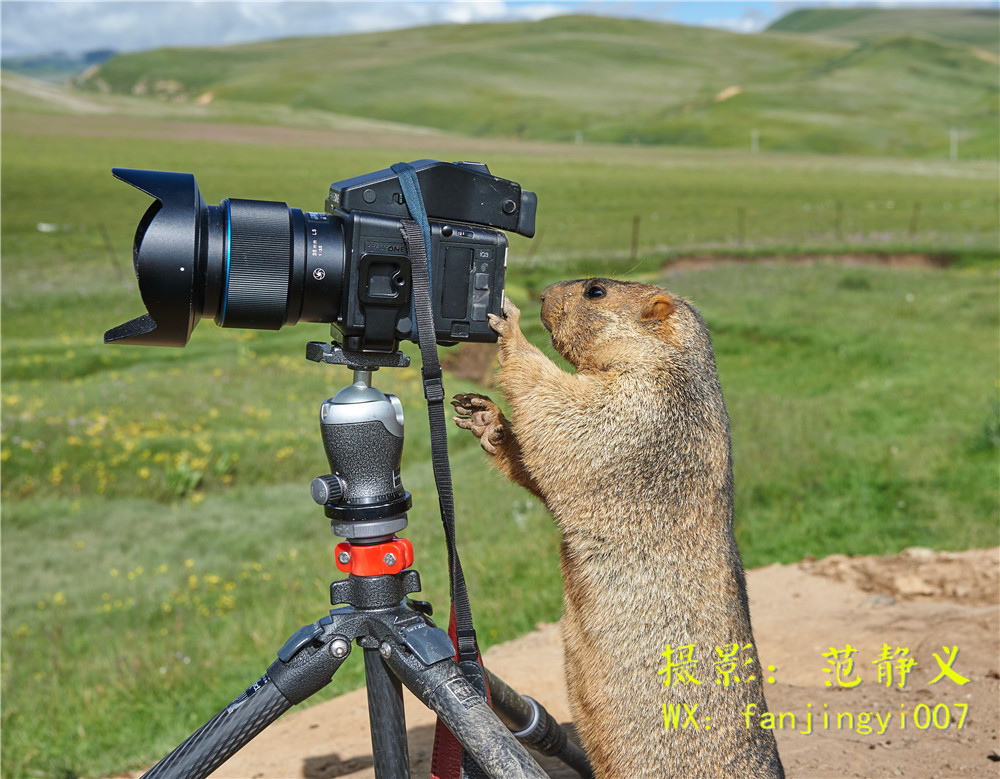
442, 687
305, 664
534, 726
223, 735
390, 751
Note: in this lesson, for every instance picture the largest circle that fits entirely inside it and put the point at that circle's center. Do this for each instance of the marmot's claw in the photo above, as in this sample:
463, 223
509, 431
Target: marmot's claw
482, 417
468, 402
499, 325
510, 311
506, 325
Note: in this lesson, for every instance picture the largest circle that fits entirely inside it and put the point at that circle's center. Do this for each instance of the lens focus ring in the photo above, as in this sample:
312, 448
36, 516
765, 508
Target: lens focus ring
260, 248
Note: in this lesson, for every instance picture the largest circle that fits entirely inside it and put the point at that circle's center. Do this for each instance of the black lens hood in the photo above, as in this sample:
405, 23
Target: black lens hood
165, 253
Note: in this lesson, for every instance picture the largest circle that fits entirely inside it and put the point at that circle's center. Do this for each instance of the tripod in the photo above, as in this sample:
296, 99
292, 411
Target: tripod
363, 496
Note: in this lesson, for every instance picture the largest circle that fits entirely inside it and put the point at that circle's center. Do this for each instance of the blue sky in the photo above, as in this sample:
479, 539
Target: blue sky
75, 26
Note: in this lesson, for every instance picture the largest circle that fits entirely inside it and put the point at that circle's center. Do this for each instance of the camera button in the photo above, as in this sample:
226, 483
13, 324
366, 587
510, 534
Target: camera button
482, 281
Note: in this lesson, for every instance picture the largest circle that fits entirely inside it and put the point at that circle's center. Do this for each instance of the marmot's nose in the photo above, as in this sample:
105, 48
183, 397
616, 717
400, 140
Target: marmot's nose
550, 288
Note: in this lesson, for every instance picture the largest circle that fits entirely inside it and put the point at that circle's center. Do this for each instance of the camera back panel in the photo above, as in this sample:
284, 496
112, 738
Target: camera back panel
467, 283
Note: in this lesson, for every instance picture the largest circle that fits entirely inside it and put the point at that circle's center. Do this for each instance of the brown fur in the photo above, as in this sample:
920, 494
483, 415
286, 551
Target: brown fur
631, 454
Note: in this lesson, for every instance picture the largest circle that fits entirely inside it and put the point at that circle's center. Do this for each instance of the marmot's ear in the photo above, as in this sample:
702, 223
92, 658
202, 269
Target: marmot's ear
659, 309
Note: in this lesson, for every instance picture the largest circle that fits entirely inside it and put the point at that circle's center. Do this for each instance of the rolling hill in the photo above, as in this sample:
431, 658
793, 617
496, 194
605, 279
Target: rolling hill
606, 80
977, 26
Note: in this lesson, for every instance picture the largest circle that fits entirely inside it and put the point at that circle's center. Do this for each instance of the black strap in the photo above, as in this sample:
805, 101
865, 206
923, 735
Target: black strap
417, 234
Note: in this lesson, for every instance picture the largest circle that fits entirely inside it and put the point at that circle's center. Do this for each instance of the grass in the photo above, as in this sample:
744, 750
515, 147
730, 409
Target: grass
854, 398
158, 541
977, 26
609, 80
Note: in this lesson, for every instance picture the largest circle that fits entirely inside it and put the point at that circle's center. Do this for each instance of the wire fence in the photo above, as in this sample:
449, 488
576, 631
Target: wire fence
918, 225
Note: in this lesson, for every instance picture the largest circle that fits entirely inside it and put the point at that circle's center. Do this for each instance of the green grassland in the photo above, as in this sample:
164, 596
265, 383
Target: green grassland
159, 543
978, 26
610, 80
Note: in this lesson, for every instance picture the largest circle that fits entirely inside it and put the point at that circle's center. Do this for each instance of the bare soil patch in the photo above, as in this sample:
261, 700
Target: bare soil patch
934, 725
336, 132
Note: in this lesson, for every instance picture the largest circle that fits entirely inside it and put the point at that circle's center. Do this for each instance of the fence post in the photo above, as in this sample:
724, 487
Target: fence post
532, 249
109, 248
635, 237
914, 217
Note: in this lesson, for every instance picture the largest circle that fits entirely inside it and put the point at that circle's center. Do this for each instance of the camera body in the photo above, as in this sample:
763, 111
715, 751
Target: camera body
260, 264
466, 276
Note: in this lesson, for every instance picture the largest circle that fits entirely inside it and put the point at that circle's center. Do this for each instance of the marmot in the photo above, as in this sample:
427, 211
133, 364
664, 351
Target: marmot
632, 456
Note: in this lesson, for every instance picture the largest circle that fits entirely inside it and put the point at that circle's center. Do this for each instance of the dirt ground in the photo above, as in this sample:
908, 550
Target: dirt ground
933, 604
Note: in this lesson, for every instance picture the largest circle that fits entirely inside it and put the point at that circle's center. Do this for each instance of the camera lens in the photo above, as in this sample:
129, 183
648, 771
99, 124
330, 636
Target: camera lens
259, 256
245, 263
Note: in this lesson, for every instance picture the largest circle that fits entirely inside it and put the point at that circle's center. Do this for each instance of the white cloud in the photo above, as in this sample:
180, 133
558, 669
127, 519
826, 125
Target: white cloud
750, 21
74, 26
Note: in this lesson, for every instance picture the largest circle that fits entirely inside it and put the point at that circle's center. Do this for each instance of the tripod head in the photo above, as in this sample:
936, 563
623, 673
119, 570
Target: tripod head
362, 430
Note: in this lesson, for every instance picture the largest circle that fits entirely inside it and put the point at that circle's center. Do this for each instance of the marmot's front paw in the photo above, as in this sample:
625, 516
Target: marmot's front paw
506, 325
482, 416
509, 330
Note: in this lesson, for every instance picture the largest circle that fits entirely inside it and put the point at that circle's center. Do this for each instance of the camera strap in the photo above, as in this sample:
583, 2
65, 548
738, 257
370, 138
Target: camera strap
449, 760
417, 234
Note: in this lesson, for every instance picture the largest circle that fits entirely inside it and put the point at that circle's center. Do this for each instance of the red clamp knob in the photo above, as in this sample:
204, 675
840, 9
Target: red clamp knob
376, 560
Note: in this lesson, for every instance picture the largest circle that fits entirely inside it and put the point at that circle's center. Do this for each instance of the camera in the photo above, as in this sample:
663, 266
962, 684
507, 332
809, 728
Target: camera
260, 264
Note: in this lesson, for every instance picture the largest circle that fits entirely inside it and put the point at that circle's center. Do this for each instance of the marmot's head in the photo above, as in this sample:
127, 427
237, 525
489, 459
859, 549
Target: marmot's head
607, 325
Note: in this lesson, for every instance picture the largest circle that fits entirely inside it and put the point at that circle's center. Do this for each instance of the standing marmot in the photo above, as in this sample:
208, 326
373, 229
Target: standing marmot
632, 456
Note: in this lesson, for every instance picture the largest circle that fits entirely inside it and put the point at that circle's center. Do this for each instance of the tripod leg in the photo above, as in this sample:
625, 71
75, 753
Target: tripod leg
387, 718
442, 687
534, 726
223, 735
305, 664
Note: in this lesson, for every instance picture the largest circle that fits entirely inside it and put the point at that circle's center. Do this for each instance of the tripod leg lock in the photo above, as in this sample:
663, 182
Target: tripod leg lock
543, 732
309, 659
429, 644
532, 725
300, 639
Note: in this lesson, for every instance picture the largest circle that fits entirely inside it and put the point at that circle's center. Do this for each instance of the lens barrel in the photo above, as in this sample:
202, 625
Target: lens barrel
259, 243
246, 263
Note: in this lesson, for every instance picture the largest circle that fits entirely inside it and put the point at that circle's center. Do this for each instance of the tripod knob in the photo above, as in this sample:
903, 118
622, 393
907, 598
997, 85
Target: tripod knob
326, 489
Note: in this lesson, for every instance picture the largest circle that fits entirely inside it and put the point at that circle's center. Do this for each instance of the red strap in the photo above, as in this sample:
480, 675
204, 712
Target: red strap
446, 760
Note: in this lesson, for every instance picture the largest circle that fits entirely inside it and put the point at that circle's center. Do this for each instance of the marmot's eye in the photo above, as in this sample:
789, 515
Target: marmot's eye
595, 291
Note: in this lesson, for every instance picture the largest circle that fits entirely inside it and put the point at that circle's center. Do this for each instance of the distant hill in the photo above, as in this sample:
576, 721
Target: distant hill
608, 80
978, 26
56, 66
